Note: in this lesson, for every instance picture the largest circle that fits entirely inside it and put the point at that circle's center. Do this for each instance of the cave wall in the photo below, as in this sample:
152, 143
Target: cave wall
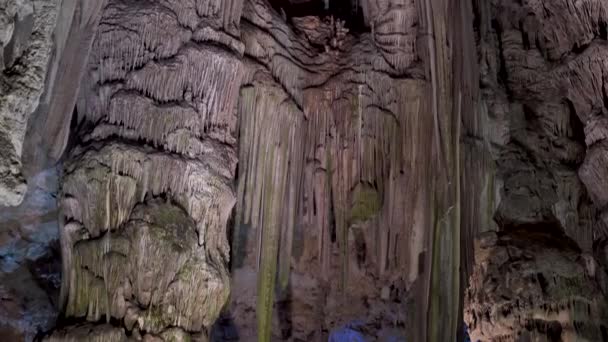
330, 172
373, 235
543, 275
26, 45
45, 45
146, 192
348, 169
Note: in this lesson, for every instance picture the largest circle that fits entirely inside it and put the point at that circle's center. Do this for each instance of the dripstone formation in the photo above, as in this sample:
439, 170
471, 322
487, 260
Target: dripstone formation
544, 276
146, 193
303, 170
327, 118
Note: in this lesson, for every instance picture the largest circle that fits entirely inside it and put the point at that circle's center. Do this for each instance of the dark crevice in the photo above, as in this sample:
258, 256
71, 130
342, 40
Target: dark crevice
603, 30
554, 331
347, 10
361, 248
580, 48
547, 234
605, 94
524, 36
578, 128
503, 75
332, 220
542, 281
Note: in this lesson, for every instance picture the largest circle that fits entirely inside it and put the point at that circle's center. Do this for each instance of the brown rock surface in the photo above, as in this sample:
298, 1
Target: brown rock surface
530, 284
146, 193
328, 163
543, 279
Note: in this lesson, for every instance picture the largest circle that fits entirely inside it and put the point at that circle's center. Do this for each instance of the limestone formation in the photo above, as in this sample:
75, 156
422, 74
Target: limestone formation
352, 103
26, 29
530, 284
146, 194
152, 273
542, 279
307, 170
341, 195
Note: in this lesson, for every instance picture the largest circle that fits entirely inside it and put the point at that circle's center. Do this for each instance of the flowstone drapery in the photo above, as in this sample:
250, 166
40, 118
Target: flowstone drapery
305, 169
147, 187
347, 169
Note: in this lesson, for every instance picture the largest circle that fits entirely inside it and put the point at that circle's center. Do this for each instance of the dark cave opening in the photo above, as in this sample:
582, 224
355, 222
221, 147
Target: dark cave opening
348, 10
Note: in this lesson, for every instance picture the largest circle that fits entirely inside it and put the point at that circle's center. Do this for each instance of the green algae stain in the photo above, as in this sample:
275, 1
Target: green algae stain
171, 225
167, 215
268, 262
366, 205
564, 287
186, 273
155, 320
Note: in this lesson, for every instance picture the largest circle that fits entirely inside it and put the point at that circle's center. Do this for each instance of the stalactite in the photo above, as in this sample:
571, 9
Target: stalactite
447, 77
273, 177
104, 333
362, 135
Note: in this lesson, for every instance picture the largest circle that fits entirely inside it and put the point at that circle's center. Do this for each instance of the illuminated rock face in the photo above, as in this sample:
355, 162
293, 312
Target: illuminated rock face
147, 188
331, 120
154, 263
326, 163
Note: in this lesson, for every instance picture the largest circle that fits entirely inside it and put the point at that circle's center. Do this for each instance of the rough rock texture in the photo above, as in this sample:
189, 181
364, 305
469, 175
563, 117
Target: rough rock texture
30, 265
340, 207
541, 66
338, 200
348, 185
44, 47
155, 263
48, 128
531, 284
26, 44
147, 189
351, 150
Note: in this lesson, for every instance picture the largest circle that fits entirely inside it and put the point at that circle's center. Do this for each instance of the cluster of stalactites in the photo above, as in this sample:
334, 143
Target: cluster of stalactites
272, 142
366, 145
345, 162
174, 106
147, 194
102, 187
